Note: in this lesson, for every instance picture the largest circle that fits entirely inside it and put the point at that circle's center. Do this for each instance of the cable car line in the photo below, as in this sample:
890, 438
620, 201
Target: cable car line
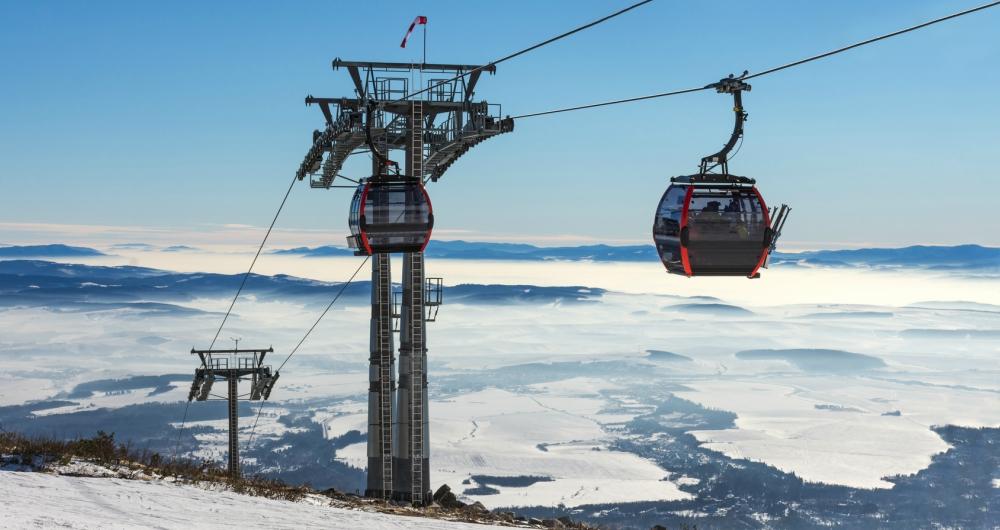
612, 102
769, 70
180, 431
254, 428
304, 337
343, 288
874, 39
254, 262
526, 50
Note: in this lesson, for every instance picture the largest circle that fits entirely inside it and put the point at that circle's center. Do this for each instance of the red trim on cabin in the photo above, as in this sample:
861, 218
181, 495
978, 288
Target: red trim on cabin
685, 259
767, 225
430, 216
361, 215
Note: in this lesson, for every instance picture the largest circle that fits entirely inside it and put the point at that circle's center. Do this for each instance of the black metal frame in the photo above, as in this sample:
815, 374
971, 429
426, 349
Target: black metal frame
728, 85
735, 86
433, 300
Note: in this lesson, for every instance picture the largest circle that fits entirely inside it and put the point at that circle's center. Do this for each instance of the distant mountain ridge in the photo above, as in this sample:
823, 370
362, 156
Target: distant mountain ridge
938, 257
503, 251
74, 287
324, 251
959, 257
48, 251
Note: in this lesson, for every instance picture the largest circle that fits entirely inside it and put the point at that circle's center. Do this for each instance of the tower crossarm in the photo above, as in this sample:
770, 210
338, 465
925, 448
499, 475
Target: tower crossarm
232, 364
453, 122
341, 136
445, 143
455, 144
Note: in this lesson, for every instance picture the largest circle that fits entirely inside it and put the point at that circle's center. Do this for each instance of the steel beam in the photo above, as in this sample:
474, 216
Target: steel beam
433, 67
395, 107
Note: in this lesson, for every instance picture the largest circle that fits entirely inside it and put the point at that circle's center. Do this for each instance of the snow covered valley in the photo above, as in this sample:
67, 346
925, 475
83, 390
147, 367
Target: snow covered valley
626, 409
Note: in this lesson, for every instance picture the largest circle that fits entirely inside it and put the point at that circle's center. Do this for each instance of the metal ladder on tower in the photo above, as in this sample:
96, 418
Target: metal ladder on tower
416, 325
385, 377
417, 381
234, 428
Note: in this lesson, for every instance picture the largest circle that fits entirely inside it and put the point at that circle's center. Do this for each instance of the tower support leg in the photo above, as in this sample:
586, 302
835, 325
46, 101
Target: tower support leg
381, 378
411, 454
234, 429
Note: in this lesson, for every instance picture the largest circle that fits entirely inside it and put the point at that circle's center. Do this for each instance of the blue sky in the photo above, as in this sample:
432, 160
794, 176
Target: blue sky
190, 115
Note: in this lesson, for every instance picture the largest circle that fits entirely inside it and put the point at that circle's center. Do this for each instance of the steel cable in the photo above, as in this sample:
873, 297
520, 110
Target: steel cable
769, 70
526, 50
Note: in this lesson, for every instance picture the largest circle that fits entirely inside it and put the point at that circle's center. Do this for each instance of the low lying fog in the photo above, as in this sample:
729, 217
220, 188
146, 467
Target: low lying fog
927, 341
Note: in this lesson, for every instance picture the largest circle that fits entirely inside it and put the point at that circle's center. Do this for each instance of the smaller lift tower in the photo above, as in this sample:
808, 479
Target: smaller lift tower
232, 366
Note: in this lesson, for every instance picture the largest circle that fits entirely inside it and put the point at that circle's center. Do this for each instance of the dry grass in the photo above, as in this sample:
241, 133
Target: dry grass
43, 453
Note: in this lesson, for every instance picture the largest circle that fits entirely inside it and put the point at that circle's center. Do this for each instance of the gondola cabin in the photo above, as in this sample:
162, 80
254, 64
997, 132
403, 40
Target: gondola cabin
390, 216
712, 228
714, 223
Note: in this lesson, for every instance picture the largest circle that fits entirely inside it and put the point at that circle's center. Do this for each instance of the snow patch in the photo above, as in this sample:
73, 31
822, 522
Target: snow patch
44, 500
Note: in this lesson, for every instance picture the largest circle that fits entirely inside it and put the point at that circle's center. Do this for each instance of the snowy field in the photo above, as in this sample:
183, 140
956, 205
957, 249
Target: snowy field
554, 431
560, 436
41, 500
780, 425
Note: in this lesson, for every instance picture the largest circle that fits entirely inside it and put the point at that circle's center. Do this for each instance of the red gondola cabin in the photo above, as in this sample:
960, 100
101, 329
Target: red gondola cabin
712, 228
390, 216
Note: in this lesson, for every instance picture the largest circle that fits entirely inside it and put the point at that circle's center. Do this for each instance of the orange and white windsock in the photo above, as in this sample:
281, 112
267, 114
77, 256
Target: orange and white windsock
419, 20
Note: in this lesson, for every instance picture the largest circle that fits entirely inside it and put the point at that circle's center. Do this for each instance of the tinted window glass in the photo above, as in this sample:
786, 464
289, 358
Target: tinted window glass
725, 216
726, 231
666, 227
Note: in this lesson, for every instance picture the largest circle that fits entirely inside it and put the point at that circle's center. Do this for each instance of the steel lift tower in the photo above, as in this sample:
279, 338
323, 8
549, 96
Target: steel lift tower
231, 366
432, 130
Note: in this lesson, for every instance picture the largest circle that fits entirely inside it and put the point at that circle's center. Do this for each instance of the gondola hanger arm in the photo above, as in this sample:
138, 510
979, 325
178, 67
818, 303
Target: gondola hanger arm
735, 86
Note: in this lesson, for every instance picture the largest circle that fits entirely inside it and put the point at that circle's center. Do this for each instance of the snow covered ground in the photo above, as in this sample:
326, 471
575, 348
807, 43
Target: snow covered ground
42, 500
781, 425
123, 398
555, 435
